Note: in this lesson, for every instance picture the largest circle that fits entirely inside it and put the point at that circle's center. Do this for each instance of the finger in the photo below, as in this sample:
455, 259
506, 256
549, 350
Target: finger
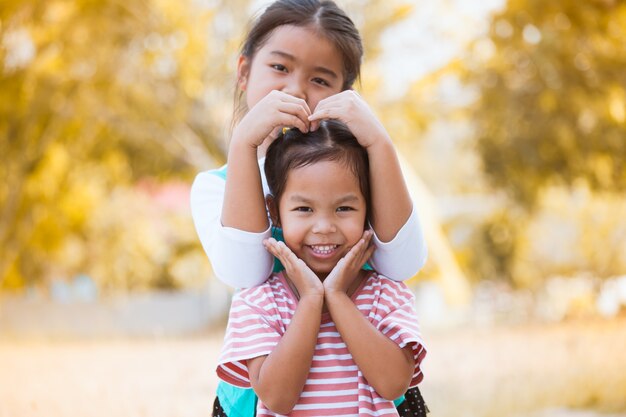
364, 251
335, 112
295, 109
283, 253
334, 99
277, 249
269, 242
367, 234
289, 259
368, 247
293, 115
288, 98
271, 246
367, 255
354, 253
322, 114
314, 125
363, 255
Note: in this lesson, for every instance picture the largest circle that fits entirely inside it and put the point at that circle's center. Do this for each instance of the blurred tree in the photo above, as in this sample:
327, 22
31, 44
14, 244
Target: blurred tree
552, 96
94, 95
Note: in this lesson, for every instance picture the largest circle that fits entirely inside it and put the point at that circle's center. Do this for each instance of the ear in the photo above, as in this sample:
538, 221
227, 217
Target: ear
243, 71
273, 209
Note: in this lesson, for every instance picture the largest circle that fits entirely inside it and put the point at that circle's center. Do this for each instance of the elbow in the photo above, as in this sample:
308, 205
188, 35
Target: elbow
419, 261
421, 256
394, 384
231, 271
279, 399
393, 391
281, 409
279, 404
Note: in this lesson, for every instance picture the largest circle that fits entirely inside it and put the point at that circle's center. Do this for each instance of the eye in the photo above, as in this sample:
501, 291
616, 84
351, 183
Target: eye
345, 208
303, 209
279, 67
321, 81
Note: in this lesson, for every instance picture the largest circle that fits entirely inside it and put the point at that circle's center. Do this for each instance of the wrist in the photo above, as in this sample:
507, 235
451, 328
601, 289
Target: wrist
242, 142
312, 300
382, 144
241, 153
333, 295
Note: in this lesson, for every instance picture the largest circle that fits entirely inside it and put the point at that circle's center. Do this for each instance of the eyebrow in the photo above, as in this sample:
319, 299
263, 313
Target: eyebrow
345, 199
290, 57
299, 198
348, 199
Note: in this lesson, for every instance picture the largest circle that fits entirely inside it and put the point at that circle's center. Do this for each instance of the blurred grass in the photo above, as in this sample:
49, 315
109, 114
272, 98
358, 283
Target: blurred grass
516, 371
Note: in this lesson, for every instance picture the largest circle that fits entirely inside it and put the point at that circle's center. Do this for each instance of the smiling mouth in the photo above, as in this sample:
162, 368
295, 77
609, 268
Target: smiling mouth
323, 249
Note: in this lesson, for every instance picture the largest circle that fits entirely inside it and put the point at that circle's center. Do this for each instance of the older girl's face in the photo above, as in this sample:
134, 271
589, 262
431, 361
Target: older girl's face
295, 60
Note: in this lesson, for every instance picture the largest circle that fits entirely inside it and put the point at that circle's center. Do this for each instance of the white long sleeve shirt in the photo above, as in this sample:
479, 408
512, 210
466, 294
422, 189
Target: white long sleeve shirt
239, 259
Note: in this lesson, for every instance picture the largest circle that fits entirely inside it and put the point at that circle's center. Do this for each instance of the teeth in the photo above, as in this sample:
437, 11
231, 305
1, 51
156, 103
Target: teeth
323, 249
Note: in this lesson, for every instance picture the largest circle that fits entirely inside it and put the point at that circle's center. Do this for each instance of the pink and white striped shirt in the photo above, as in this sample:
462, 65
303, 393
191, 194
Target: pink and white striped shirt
335, 386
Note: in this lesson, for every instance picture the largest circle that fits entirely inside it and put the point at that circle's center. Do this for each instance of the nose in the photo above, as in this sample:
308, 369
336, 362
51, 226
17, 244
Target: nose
296, 87
324, 225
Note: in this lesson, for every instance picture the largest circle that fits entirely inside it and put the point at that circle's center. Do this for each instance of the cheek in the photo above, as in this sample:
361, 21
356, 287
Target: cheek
355, 229
252, 97
292, 231
257, 87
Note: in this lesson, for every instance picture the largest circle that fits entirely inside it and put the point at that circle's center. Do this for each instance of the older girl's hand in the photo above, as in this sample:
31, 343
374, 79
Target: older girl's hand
267, 118
350, 108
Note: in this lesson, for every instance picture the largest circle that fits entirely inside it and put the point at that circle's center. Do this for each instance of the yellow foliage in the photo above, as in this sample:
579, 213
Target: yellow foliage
45, 180
617, 104
80, 200
13, 280
402, 11
548, 101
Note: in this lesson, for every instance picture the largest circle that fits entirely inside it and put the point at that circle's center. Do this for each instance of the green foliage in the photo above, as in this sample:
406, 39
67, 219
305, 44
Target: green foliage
552, 87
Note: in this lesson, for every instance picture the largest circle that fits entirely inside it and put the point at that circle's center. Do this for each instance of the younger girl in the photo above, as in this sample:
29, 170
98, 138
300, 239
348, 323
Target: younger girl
324, 337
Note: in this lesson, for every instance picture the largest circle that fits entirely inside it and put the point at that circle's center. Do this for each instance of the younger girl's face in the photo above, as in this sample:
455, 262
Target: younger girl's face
295, 60
322, 214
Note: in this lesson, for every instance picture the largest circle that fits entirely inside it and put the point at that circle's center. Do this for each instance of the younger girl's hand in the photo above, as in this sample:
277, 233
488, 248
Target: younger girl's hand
348, 267
266, 118
305, 280
350, 108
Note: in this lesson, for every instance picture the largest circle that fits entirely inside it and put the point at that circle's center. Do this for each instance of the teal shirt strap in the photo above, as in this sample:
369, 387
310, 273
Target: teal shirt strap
235, 401
220, 172
398, 401
277, 233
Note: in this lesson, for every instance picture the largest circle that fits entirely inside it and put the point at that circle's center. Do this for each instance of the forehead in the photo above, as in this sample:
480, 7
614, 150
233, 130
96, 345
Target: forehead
306, 45
323, 179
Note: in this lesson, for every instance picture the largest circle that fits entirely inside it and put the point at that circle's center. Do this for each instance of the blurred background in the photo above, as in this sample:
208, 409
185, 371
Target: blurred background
510, 118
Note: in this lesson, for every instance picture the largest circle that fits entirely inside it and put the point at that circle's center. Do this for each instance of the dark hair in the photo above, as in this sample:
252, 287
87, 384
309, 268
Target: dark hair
332, 141
323, 16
